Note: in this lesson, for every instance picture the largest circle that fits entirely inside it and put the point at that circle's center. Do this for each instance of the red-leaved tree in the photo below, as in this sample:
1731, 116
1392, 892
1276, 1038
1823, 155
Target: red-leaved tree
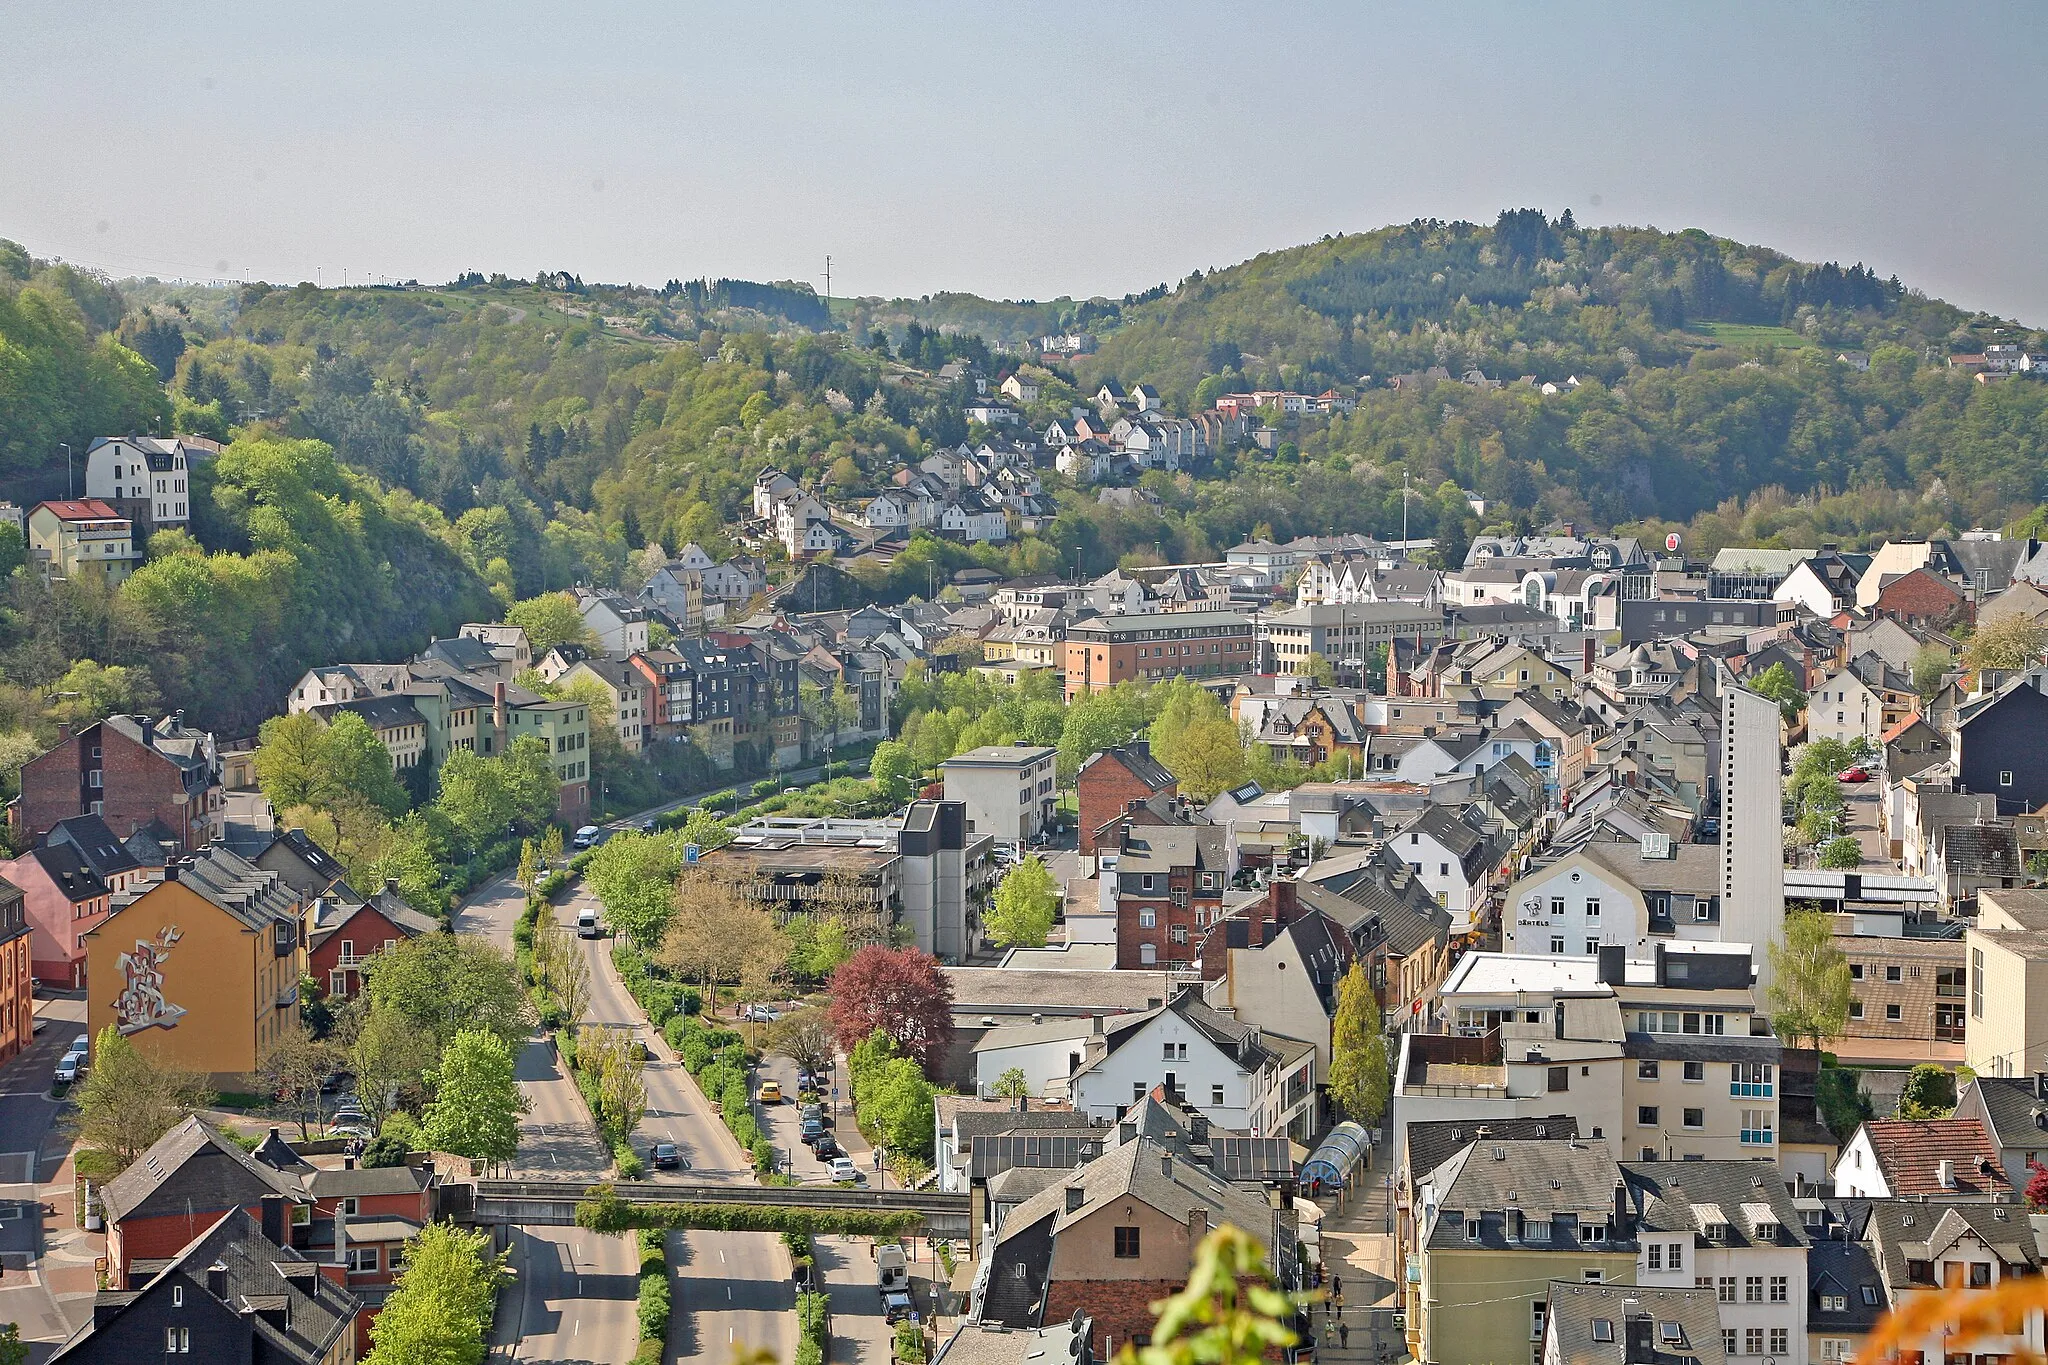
2037, 1186
902, 992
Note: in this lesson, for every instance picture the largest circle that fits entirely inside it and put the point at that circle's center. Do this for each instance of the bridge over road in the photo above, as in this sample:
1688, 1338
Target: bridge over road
552, 1203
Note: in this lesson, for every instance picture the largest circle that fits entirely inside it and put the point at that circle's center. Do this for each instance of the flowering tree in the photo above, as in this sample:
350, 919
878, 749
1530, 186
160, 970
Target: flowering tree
901, 992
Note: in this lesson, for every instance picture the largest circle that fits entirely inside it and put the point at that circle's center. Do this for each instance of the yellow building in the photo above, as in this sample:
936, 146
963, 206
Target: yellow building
66, 538
200, 970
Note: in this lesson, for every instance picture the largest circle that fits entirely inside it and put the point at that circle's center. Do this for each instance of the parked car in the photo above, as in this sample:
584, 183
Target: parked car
665, 1157
761, 1014
1858, 773
844, 1169
649, 827
335, 1081
586, 837
815, 1111
812, 1131
827, 1147
771, 1092
896, 1307
67, 1068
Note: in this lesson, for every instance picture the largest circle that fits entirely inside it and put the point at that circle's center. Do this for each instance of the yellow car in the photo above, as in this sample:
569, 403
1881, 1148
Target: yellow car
771, 1092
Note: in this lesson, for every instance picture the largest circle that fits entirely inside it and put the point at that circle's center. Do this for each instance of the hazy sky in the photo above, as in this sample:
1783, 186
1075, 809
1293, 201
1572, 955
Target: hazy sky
1014, 151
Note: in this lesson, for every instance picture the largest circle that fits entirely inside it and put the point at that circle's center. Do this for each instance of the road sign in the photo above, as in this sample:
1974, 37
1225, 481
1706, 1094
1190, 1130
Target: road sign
690, 852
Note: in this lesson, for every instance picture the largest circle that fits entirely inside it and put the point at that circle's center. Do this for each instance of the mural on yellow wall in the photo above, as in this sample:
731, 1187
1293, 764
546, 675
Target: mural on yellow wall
141, 1003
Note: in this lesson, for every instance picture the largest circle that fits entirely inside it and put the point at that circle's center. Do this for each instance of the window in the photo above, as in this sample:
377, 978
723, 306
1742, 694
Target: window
1753, 1289
1752, 1341
1834, 1350
1654, 1256
362, 1259
1855, 1009
1778, 1338
1145, 881
1592, 947
1557, 905
1728, 1340
1834, 1303
1148, 953
1646, 1115
1724, 1289
1891, 1013
177, 1296
2005, 777
1696, 1071
1560, 1078
1537, 1309
1471, 1229
351, 1207
1777, 1289
1855, 971
1148, 918
1750, 1079
1557, 943
1127, 1244
1603, 1329
1976, 983
1891, 974
1590, 1274
1175, 1052
1677, 1256
1179, 933
177, 1341
1592, 909
1216, 1096
1980, 1274
1869, 1295
1646, 1071
1756, 1128
1592, 1232
1695, 1118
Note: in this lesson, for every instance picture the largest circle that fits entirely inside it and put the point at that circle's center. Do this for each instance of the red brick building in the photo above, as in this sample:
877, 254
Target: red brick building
1110, 780
130, 771
347, 934
353, 1222
1922, 598
1170, 882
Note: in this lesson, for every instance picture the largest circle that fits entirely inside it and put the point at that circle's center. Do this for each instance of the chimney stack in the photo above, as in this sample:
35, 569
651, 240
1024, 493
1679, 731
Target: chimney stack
1198, 1228
1586, 657
498, 717
217, 1280
275, 1224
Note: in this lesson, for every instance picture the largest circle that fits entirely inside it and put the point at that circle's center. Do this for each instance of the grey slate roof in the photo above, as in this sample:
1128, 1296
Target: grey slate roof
1432, 1142
1555, 1180
1907, 1230
1681, 1196
292, 1314
1847, 1269
1608, 1324
193, 1167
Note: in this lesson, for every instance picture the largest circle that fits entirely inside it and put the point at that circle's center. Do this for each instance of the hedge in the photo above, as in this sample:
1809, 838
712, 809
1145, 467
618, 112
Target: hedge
604, 1211
654, 1291
813, 1327
663, 999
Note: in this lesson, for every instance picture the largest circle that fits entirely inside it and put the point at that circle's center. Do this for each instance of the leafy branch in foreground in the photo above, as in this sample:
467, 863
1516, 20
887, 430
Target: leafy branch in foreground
1229, 1314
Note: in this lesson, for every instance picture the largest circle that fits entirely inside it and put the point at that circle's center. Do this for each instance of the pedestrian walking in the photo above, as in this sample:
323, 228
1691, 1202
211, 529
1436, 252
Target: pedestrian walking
1344, 1336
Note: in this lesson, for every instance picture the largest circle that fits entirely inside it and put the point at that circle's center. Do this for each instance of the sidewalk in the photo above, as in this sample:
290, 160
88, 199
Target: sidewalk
1358, 1257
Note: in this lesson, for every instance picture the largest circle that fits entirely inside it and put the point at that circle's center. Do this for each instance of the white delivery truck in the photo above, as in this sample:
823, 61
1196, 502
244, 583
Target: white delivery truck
586, 923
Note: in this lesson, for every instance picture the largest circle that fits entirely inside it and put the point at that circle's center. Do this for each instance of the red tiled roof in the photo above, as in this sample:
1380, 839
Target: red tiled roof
83, 509
1888, 736
1910, 1153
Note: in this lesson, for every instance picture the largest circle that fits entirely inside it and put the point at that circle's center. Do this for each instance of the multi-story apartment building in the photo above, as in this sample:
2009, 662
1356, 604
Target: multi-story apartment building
1344, 634
82, 535
1168, 883
132, 772
1108, 650
142, 478
1731, 1227
1008, 789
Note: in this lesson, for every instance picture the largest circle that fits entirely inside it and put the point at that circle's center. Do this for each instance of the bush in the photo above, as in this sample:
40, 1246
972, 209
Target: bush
814, 1328
631, 1167
654, 1296
384, 1151
910, 1343
765, 787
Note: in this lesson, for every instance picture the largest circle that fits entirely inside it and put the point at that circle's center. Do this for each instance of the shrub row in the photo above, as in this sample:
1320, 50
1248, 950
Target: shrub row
654, 1297
813, 1328
663, 999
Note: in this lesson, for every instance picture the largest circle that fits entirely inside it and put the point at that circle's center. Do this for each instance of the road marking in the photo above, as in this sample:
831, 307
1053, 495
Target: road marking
728, 1291
728, 1336
721, 1256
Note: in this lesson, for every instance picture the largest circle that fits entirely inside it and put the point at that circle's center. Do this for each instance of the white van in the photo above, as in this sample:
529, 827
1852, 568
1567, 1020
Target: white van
587, 925
585, 837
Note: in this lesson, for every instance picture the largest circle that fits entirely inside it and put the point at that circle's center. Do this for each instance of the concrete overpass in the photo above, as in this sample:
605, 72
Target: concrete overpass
552, 1203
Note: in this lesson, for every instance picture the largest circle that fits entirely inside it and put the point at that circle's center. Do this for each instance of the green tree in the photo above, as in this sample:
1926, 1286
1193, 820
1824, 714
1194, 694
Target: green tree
1821, 757
1194, 737
1319, 670
1024, 905
531, 782
1777, 683
446, 983
634, 876
127, 1100
1358, 1050
475, 797
356, 762
550, 619
1842, 853
897, 1109
88, 692
391, 1054
293, 1067
440, 1311
2009, 642
1013, 1084
1839, 1098
477, 1102
1929, 1092
303, 761
893, 769
1930, 670
1810, 993
13, 1350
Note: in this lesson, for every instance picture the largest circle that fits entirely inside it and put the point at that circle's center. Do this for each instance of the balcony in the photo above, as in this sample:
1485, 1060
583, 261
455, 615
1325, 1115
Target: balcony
288, 997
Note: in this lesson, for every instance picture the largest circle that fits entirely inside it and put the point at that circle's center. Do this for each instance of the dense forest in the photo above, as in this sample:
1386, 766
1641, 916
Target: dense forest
408, 457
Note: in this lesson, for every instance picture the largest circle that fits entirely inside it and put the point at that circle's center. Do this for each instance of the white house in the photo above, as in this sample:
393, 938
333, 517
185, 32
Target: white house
769, 485
1732, 1225
1452, 859
1021, 390
970, 519
619, 624
1237, 1075
141, 477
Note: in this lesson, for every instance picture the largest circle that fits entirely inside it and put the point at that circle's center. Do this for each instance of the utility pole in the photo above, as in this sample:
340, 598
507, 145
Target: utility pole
828, 284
